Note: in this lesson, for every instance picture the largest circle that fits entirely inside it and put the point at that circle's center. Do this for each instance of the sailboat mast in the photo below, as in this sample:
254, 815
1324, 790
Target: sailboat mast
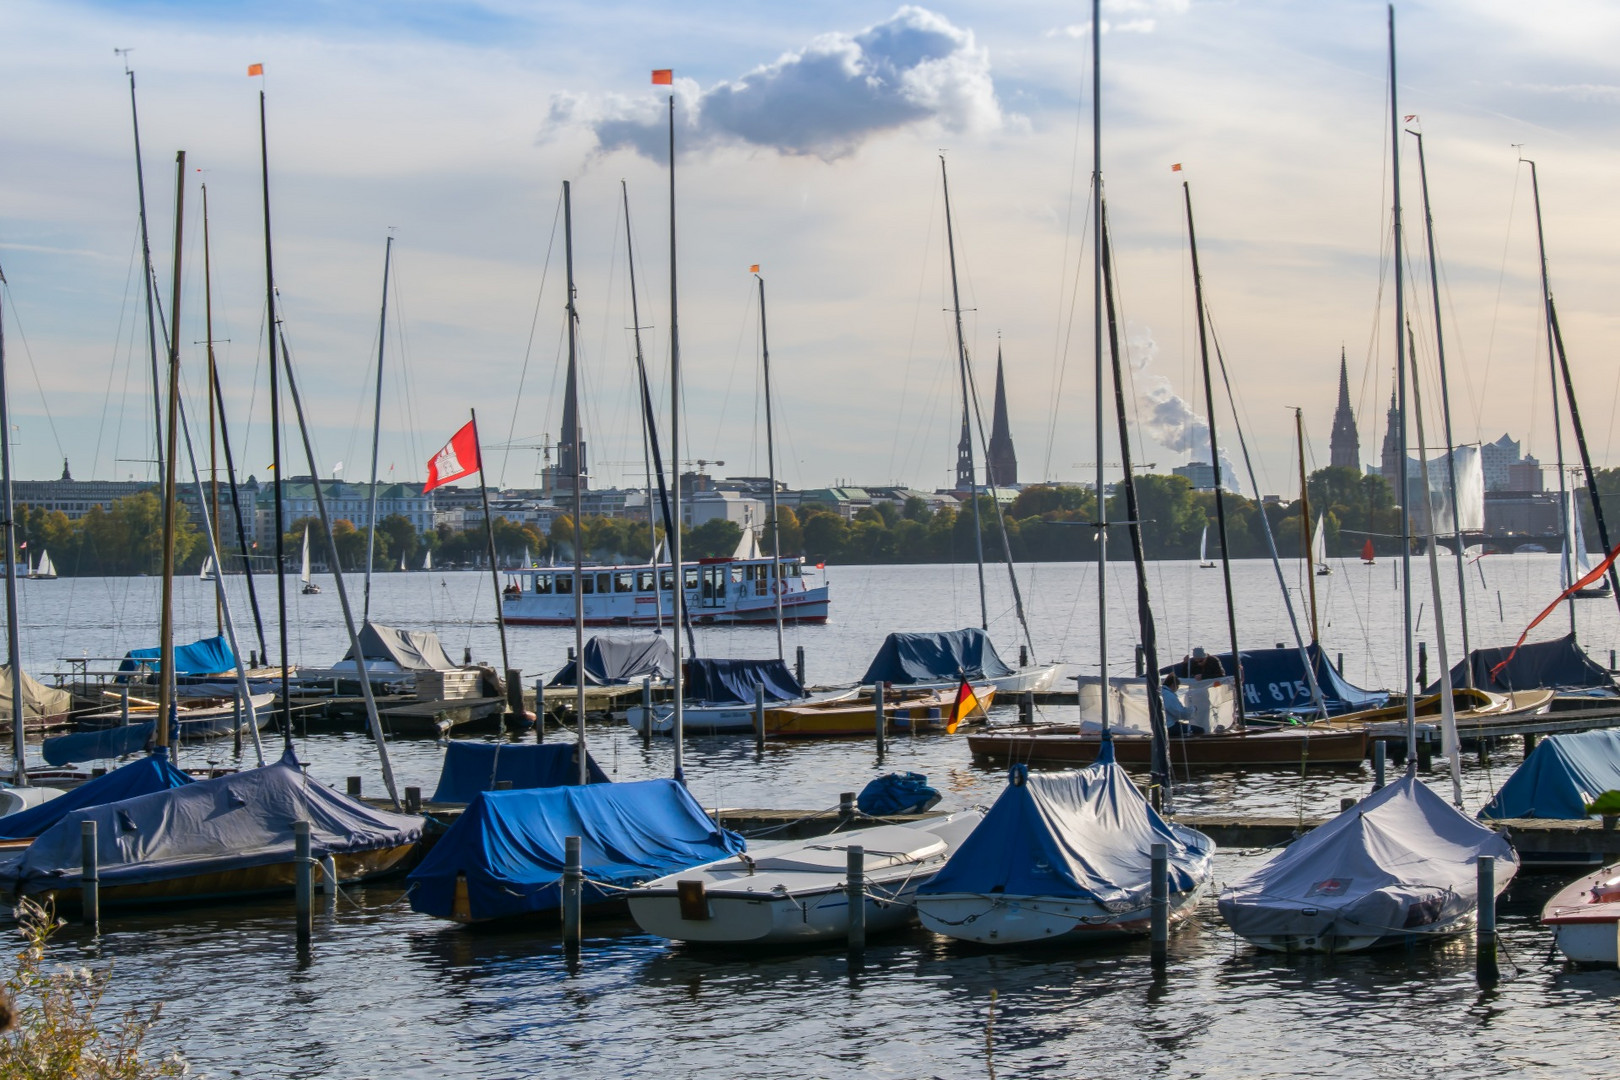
1305, 522
1586, 457
775, 579
579, 481
376, 434
166, 632
1400, 381
1215, 463
649, 427
217, 395
678, 593
967, 435
213, 468
1097, 343
271, 322
19, 753
146, 267
1552, 364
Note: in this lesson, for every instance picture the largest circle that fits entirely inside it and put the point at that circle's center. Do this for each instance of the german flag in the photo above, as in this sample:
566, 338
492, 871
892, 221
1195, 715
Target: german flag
967, 703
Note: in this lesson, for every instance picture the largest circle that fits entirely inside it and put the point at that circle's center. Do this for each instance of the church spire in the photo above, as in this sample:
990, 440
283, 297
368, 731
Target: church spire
1345, 445
1001, 461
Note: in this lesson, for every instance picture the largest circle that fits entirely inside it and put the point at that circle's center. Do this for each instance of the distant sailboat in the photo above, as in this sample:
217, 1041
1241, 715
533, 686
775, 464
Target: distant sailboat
1577, 563
1367, 552
310, 588
427, 560
45, 571
1203, 550
402, 562
207, 571
1319, 549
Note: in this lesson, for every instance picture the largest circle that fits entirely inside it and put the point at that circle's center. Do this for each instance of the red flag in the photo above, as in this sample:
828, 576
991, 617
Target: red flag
1176, 167
1596, 574
664, 77
255, 69
458, 458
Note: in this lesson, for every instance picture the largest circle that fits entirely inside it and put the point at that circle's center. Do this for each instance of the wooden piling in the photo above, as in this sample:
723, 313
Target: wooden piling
1026, 707
413, 800
857, 898
1346, 803
514, 696
1423, 663
90, 875
1340, 665
1485, 751
1160, 904
1141, 662
759, 716
354, 787
1023, 656
304, 873
1425, 755
798, 664
1485, 926
846, 806
1529, 743
877, 710
573, 880
1380, 752
646, 710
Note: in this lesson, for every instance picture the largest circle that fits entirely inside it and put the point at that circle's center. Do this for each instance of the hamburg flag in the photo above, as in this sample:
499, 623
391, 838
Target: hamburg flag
458, 458
967, 703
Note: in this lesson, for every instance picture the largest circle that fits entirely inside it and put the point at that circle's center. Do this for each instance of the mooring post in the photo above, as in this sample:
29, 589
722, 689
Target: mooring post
1611, 659
1423, 663
759, 716
413, 800
1529, 743
572, 884
514, 695
1141, 662
1485, 928
798, 663
302, 889
571, 658
857, 899
846, 807
123, 704
1484, 751
1160, 898
329, 882
646, 710
1023, 656
1380, 755
354, 787
1346, 803
1026, 707
1340, 665
1425, 751
90, 876
877, 711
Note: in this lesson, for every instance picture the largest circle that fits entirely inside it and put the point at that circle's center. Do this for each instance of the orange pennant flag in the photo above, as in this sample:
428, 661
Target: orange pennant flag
754, 269
255, 69
1176, 167
664, 77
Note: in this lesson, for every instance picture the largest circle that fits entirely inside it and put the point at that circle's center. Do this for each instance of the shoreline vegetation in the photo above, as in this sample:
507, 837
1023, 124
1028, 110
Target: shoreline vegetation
1045, 523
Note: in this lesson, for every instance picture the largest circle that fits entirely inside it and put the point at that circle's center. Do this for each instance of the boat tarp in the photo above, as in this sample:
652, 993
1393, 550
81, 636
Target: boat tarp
897, 793
1209, 702
929, 658
471, 767
1274, 680
113, 742
409, 650
509, 845
39, 700
1086, 834
1561, 775
1558, 664
142, 776
732, 682
210, 656
229, 823
1401, 859
616, 659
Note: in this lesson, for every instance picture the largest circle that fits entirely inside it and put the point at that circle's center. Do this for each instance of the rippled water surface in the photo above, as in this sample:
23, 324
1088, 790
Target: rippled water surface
385, 992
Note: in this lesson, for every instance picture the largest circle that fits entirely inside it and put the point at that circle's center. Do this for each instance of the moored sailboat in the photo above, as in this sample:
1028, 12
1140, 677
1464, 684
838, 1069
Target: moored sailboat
310, 588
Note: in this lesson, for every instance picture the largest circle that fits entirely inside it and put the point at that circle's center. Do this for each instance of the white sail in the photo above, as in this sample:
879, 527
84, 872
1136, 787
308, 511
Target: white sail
303, 573
1576, 562
207, 570
1319, 544
1203, 545
45, 569
427, 560
748, 545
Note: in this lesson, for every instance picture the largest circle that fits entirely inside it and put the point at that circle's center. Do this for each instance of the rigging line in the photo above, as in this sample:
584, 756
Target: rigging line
112, 366
1065, 328
995, 503
45, 405
528, 348
911, 343
731, 376
1501, 280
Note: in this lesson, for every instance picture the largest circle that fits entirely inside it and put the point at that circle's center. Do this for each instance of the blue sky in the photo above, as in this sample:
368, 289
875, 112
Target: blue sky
809, 144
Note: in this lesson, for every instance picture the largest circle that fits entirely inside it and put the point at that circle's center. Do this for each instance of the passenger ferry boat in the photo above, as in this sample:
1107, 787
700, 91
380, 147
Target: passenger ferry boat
718, 591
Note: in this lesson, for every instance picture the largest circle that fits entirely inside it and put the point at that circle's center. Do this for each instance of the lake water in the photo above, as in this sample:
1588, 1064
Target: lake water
388, 993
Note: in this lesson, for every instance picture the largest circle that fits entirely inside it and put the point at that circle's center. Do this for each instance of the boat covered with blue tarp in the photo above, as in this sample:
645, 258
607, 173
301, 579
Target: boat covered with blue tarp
225, 837
1275, 681
946, 656
504, 856
617, 659
1558, 665
210, 656
472, 767
146, 774
732, 682
1559, 777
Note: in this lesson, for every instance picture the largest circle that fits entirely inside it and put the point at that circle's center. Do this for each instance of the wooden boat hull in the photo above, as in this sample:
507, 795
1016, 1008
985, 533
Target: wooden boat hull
271, 878
928, 713
1585, 917
1286, 747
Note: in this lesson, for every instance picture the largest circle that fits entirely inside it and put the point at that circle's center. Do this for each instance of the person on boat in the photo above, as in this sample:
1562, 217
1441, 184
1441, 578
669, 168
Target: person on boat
1177, 714
512, 589
1201, 665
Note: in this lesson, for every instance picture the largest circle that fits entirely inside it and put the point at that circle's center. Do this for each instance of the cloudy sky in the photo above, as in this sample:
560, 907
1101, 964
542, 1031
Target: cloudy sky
809, 140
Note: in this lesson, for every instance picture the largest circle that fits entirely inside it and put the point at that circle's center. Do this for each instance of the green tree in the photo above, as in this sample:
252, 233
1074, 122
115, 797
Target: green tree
714, 539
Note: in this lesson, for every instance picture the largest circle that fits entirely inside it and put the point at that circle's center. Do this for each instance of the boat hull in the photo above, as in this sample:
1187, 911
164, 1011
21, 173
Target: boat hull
767, 919
1291, 748
1334, 944
1000, 919
1585, 917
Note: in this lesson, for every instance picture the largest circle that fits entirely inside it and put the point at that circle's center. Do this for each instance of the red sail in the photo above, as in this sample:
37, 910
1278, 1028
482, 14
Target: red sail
1367, 551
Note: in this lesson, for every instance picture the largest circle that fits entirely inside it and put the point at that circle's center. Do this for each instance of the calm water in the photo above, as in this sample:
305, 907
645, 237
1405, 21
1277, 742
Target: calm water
388, 993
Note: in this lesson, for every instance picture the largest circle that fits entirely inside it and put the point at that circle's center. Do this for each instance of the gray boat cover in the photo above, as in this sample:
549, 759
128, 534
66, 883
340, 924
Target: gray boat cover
39, 700
410, 650
1561, 775
228, 823
1559, 664
1400, 860
616, 659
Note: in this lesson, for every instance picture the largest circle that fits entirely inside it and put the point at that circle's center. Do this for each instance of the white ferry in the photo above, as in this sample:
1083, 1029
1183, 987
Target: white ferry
718, 591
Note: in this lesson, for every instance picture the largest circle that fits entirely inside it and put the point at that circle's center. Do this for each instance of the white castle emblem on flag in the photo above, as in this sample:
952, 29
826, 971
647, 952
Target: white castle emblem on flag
447, 464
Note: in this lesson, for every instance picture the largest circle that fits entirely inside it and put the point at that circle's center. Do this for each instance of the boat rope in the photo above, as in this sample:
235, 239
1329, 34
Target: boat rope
796, 821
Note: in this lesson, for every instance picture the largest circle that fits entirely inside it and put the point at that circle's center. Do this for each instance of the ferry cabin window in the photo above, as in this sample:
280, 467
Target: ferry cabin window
793, 569
624, 581
565, 584
666, 580
604, 583
691, 577
587, 583
542, 583
644, 581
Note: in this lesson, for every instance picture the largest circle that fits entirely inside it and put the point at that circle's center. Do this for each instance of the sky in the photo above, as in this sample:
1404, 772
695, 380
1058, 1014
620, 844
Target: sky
808, 141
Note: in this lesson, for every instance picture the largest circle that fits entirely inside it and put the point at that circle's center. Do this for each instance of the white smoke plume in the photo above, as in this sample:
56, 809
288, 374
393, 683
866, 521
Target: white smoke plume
823, 100
1165, 416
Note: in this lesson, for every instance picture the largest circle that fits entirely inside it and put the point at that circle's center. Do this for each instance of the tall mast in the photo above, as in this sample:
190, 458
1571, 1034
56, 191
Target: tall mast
166, 681
775, 580
1097, 329
648, 445
271, 322
1445, 411
217, 395
19, 752
1215, 462
376, 433
1400, 381
967, 436
213, 467
146, 265
572, 435
1552, 364
1305, 522
678, 593
1586, 457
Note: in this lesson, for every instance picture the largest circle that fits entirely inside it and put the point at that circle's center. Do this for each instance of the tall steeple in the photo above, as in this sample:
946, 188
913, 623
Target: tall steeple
563, 477
1390, 466
1001, 462
964, 457
1345, 445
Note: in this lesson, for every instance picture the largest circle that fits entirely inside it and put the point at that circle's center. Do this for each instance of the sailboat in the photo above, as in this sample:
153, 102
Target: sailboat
1204, 560
1367, 552
1319, 549
45, 571
310, 588
1577, 561
427, 560
207, 571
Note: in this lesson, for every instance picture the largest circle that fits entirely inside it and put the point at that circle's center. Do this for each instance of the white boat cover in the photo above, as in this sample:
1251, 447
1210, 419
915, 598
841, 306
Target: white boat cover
39, 700
1210, 700
1401, 859
410, 650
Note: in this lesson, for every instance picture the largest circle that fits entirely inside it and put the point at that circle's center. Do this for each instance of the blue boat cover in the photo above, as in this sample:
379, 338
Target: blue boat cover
471, 767
616, 659
897, 793
110, 742
1558, 664
509, 845
228, 823
1086, 834
144, 774
210, 656
1274, 681
1561, 775
929, 658
732, 682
